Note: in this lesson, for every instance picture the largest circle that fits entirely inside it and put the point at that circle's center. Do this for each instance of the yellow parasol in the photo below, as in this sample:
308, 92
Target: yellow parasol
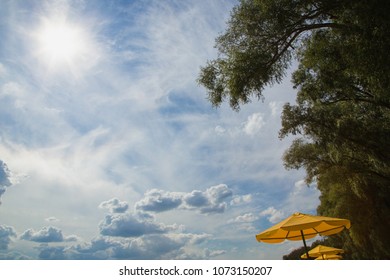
322, 250
329, 257
302, 226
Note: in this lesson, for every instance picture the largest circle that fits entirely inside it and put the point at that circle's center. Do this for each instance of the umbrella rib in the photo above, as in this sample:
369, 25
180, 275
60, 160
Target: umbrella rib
273, 238
288, 233
324, 231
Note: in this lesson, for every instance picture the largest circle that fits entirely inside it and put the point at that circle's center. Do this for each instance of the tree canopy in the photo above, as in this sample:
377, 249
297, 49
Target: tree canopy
341, 117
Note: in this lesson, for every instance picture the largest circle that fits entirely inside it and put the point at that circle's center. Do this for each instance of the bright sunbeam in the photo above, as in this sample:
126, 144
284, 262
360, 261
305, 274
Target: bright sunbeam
60, 43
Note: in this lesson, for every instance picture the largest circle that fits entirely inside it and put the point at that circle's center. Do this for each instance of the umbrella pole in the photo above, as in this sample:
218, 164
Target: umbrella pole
304, 243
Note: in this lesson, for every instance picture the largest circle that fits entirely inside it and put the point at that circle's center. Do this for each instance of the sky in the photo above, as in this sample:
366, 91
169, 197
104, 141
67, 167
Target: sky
109, 148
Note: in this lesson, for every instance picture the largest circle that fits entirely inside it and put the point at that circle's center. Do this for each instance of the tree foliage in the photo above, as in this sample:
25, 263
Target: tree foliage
259, 44
342, 110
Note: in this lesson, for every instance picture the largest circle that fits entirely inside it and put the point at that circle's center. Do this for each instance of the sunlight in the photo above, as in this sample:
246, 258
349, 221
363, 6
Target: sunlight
60, 43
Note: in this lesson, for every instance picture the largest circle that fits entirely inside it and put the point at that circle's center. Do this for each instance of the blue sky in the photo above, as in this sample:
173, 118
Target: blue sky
109, 148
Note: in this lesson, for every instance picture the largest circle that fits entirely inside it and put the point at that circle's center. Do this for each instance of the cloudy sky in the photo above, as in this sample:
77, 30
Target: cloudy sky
109, 148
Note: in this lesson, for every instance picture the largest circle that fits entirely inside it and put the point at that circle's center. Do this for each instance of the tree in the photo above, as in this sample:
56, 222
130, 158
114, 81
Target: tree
258, 46
342, 110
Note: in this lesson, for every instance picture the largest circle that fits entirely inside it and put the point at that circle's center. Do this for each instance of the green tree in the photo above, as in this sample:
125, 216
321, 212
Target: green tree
342, 110
260, 41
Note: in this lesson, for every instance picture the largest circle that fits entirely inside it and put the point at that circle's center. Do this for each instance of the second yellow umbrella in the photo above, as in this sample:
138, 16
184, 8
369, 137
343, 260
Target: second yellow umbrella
321, 250
329, 257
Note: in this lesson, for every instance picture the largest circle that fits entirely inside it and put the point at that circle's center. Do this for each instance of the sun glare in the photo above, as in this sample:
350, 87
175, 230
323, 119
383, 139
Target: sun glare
61, 43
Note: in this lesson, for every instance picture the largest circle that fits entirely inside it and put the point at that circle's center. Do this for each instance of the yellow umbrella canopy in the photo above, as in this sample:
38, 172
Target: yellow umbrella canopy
329, 257
321, 250
302, 226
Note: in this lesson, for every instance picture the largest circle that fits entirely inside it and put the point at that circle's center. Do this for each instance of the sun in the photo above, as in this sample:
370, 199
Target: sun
61, 43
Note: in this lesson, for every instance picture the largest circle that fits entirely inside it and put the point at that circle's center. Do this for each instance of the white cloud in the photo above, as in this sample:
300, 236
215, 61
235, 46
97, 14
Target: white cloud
129, 225
241, 199
254, 123
276, 108
52, 219
219, 129
13, 255
212, 200
5, 178
214, 253
159, 201
161, 246
272, 214
47, 252
245, 223
246, 218
47, 234
115, 205
3, 70
6, 232
303, 198
12, 89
